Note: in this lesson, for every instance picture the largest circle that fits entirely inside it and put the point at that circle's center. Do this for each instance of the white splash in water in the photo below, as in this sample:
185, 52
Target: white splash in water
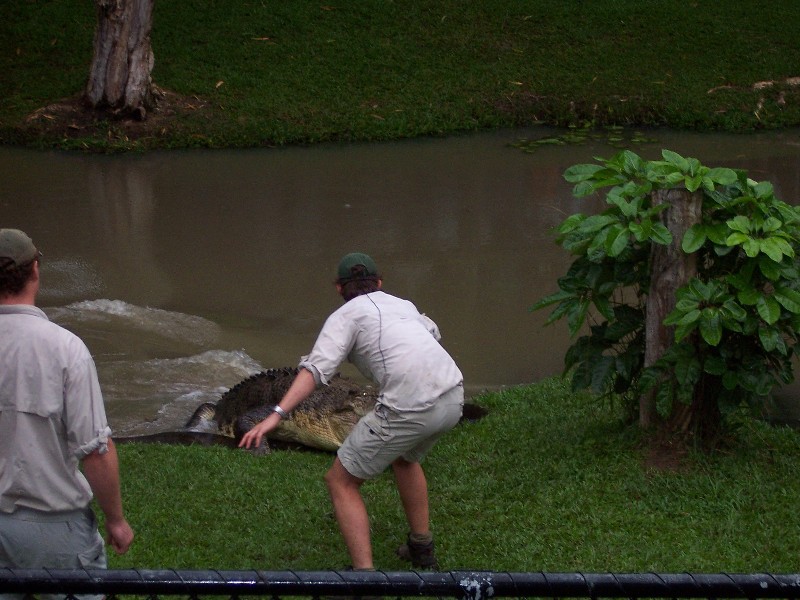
169, 324
172, 387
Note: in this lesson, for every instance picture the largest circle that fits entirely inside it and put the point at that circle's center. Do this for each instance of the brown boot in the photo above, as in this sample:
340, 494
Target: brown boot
420, 553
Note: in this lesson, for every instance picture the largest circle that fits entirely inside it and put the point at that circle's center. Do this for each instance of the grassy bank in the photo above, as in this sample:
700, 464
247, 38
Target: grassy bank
258, 74
547, 481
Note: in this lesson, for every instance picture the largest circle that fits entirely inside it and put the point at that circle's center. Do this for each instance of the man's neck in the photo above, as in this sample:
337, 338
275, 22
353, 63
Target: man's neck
21, 298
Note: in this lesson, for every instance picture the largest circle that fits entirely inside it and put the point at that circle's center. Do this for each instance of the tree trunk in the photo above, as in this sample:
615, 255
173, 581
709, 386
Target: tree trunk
670, 268
699, 420
119, 78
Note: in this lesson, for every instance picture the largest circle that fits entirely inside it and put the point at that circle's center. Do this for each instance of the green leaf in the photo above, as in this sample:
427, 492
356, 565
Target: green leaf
749, 296
578, 173
736, 239
561, 310
619, 243
681, 331
715, 365
733, 309
690, 317
686, 304
552, 299
769, 337
710, 327
628, 208
772, 249
676, 159
596, 223
722, 176
788, 299
581, 376
602, 374
752, 247
769, 268
584, 188
763, 189
700, 289
648, 379
571, 222
740, 223
687, 370
576, 315
674, 178
717, 232
664, 396
771, 224
693, 183
783, 245
638, 231
603, 307
768, 309
694, 238
730, 380
633, 162
660, 234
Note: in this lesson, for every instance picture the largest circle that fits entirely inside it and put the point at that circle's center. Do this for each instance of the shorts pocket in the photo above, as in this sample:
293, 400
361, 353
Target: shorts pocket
95, 556
376, 426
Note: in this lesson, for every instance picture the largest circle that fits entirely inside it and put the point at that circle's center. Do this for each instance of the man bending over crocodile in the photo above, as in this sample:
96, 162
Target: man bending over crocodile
421, 397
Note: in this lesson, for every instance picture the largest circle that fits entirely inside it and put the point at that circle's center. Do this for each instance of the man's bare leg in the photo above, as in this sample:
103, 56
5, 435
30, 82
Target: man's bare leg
413, 488
351, 514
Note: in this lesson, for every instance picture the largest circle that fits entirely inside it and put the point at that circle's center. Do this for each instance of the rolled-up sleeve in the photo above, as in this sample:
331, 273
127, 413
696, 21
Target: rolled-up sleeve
432, 327
333, 344
84, 413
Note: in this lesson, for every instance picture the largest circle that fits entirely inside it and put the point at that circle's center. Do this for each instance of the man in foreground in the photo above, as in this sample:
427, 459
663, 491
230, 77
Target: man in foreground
421, 397
52, 419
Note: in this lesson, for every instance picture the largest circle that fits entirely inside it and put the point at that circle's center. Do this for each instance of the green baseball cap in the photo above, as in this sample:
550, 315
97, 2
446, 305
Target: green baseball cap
16, 248
355, 259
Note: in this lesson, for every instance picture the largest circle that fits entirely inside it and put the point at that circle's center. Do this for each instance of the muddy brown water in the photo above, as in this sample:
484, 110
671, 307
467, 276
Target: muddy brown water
187, 271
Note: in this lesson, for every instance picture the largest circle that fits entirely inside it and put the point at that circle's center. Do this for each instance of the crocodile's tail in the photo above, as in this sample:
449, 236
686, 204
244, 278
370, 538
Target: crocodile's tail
203, 419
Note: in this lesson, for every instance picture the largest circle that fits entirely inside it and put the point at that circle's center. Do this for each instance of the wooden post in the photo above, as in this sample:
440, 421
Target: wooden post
670, 269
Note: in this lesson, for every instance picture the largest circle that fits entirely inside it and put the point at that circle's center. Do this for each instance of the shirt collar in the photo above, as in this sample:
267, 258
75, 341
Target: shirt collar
22, 309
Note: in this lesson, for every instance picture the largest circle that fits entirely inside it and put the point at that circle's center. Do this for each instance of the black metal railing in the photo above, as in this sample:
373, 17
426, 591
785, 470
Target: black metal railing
467, 585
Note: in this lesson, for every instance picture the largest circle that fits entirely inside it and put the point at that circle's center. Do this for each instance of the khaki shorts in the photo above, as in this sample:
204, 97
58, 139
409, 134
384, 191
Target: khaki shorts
384, 435
31, 539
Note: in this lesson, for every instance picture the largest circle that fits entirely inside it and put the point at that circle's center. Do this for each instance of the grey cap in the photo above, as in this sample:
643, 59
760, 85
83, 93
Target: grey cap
16, 248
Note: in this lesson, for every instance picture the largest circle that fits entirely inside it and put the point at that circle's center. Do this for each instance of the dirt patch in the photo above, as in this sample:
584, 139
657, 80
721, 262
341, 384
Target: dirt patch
72, 119
666, 453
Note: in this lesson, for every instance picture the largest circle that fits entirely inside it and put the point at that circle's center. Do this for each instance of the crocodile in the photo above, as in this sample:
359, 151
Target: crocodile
320, 422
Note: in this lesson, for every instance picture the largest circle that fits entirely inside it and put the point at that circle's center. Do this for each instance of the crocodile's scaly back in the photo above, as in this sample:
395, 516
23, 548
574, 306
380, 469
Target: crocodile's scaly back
262, 389
322, 421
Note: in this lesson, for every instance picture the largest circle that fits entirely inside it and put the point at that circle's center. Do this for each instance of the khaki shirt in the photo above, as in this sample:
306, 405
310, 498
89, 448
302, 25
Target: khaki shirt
390, 342
51, 413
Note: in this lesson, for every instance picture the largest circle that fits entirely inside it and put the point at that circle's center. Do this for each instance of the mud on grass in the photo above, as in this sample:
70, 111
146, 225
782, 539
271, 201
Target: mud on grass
70, 124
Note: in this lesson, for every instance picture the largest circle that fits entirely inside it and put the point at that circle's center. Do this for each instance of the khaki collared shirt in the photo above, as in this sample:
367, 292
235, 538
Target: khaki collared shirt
51, 413
390, 342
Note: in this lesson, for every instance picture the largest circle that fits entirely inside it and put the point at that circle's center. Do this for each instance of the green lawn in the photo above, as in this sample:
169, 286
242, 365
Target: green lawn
548, 481
274, 73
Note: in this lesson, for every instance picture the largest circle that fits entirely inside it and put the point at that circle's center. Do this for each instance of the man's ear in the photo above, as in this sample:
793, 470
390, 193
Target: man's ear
380, 283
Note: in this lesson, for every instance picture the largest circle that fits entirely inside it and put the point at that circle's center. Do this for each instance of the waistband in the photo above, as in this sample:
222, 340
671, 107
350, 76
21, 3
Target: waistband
453, 396
29, 514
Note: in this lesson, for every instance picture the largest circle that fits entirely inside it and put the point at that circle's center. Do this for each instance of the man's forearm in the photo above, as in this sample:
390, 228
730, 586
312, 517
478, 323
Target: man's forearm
102, 473
301, 388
